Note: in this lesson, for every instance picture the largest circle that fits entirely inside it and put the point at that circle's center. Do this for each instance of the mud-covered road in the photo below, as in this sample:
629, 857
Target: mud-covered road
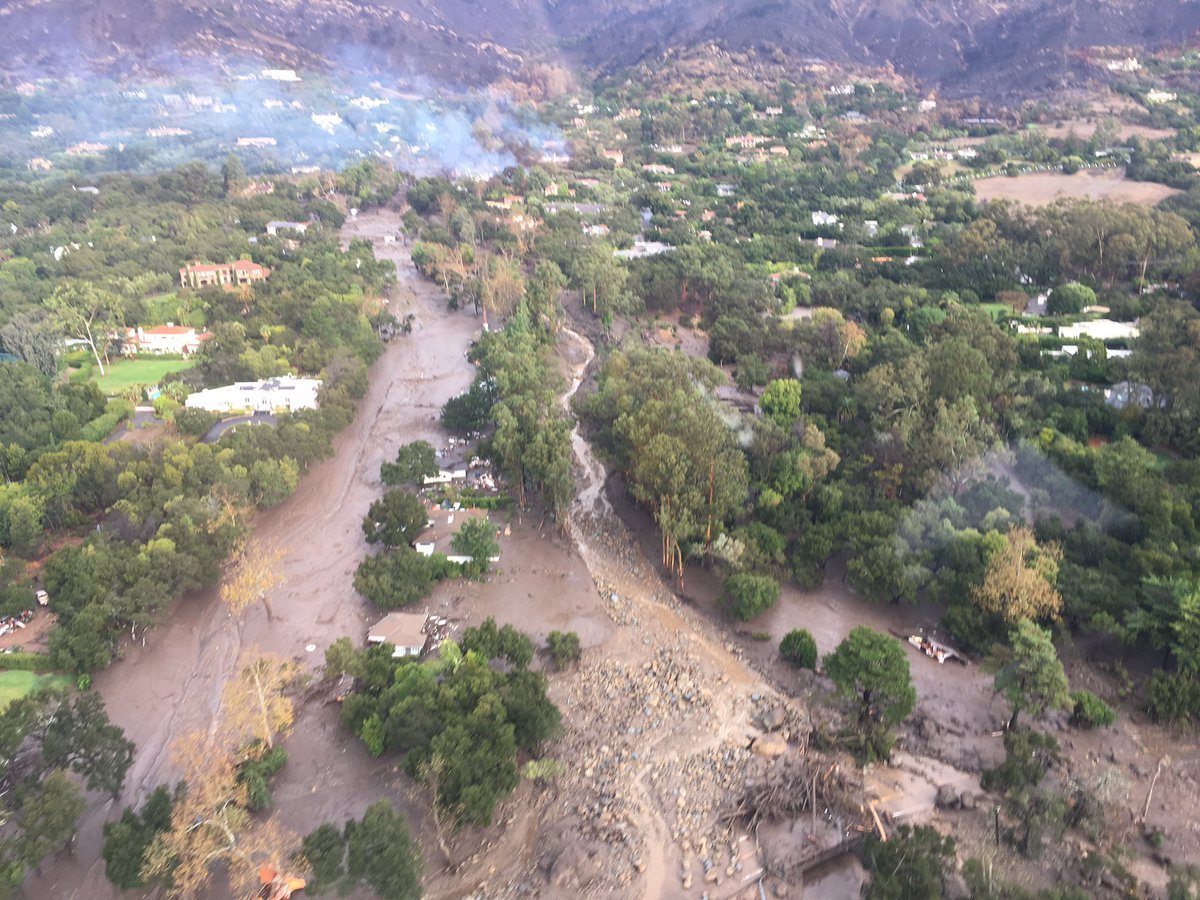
172, 685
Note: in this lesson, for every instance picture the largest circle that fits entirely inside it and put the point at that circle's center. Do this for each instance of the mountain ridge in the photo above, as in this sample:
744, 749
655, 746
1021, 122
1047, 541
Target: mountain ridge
966, 47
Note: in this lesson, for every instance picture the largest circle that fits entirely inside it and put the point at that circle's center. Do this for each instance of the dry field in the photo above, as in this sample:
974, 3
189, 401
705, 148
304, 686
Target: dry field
1083, 129
1043, 188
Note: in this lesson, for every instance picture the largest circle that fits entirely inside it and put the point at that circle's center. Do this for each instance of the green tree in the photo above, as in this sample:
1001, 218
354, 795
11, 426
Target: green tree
871, 673
395, 520
1089, 711
30, 337
745, 595
48, 817
564, 648
799, 649
780, 402
233, 175
381, 854
85, 310
476, 539
1070, 298
325, 851
491, 642
126, 840
480, 762
908, 866
414, 462
1028, 756
400, 577
1033, 679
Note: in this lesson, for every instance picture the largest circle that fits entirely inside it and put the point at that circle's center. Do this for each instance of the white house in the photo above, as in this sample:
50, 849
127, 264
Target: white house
820, 218
1100, 330
169, 338
275, 226
282, 393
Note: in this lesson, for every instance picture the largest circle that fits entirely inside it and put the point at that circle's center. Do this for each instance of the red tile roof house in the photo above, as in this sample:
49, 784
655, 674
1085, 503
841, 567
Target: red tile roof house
226, 275
169, 338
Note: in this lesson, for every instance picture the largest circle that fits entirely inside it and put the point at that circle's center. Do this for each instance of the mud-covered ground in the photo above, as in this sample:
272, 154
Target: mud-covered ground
658, 717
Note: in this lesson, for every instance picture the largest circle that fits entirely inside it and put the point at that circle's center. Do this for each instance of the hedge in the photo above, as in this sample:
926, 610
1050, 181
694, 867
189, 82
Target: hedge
29, 662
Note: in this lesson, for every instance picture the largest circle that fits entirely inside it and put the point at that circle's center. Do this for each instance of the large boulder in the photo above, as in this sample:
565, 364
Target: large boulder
947, 797
769, 745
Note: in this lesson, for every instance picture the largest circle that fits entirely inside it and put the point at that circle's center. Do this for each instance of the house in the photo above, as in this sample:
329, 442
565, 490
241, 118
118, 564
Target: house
282, 393
169, 338
746, 141
86, 148
658, 169
404, 631
726, 190
226, 275
1124, 394
617, 157
1157, 96
256, 142
443, 524
1128, 64
820, 218
1100, 330
280, 75
643, 249
274, 227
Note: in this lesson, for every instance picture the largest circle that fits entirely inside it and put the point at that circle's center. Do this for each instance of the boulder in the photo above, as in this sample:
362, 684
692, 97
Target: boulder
967, 800
947, 797
954, 887
773, 718
769, 745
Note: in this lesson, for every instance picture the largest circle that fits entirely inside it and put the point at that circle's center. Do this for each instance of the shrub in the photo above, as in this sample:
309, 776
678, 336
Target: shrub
1090, 711
564, 648
256, 774
102, 426
799, 649
195, 422
746, 596
1173, 696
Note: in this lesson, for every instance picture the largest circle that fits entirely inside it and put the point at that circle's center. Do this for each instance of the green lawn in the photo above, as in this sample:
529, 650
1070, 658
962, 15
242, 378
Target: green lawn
125, 372
996, 310
16, 683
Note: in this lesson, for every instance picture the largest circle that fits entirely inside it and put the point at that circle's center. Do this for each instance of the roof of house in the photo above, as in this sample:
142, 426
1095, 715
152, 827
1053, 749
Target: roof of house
400, 629
168, 329
240, 265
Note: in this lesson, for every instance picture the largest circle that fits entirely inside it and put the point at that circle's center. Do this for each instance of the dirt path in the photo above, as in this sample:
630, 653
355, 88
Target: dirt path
172, 685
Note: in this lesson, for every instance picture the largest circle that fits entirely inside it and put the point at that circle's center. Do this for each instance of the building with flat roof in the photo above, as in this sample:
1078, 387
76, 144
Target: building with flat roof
283, 393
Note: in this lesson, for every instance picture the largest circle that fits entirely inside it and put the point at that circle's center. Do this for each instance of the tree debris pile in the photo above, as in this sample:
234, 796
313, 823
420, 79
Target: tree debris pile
793, 785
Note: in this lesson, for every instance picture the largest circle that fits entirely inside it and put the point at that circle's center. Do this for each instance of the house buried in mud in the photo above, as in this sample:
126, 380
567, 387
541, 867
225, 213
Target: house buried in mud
404, 631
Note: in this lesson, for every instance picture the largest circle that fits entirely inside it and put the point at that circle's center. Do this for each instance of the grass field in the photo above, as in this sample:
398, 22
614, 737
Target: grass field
16, 684
996, 310
125, 372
